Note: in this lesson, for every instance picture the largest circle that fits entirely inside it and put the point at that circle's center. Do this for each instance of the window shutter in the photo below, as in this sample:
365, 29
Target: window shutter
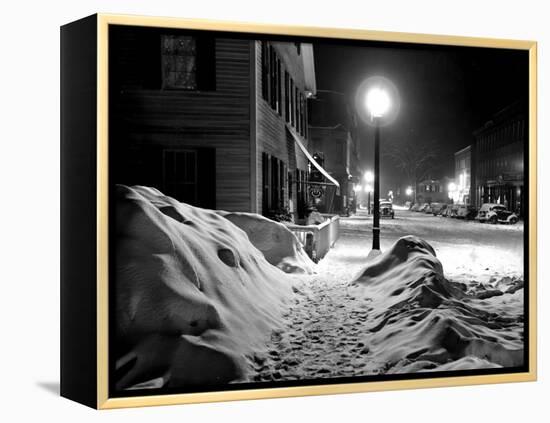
151, 63
206, 63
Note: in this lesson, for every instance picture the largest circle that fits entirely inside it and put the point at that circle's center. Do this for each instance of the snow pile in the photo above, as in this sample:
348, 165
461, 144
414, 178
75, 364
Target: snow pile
419, 321
278, 244
194, 298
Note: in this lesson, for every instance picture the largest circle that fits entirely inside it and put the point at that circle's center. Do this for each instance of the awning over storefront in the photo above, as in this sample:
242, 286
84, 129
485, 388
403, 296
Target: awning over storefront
312, 160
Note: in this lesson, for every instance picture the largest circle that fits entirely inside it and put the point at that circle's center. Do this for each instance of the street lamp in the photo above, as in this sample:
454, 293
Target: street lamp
409, 191
377, 103
368, 176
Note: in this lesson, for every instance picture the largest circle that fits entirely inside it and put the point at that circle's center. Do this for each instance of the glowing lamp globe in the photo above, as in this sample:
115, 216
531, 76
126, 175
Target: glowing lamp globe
377, 102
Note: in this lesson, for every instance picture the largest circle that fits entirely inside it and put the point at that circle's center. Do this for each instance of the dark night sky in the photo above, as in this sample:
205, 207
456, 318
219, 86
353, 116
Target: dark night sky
446, 92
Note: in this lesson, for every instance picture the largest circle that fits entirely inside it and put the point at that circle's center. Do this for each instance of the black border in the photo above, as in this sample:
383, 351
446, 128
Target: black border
78, 305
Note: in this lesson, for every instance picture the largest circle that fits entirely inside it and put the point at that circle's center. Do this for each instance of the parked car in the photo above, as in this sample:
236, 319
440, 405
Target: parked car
446, 212
438, 208
408, 204
453, 210
386, 209
423, 207
415, 207
465, 212
495, 213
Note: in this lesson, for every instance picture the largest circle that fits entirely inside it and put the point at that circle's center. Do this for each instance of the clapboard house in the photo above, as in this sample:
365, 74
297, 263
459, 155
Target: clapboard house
213, 120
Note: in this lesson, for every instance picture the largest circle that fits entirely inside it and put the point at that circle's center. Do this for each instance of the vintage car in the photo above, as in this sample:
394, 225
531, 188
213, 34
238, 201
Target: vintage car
495, 213
446, 212
438, 208
453, 210
466, 212
424, 207
386, 209
415, 207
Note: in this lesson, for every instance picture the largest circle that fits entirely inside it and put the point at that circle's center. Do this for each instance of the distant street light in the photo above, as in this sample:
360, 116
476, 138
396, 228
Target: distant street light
377, 103
368, 190
409, 191
368, 176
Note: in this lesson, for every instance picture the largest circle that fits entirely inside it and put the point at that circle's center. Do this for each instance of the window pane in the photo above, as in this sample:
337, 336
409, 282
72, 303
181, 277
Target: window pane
179, 61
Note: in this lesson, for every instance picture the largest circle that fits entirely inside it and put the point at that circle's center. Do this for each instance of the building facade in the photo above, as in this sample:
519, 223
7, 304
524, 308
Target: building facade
499, 158
434, 190
463, 176
333, 138
213, 121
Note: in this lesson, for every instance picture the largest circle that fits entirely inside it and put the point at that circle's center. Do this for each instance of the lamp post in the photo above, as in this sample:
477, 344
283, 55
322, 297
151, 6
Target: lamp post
377, 103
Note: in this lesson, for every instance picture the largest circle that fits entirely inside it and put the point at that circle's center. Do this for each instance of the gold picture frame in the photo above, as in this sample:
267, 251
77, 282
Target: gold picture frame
101, 214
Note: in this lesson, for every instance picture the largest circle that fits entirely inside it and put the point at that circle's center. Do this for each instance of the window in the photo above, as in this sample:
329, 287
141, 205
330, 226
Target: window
296, 98
274, 182
279, 89
179, 53
265, 71
287, 97
271, 77
187, 63
187, 175
291, 101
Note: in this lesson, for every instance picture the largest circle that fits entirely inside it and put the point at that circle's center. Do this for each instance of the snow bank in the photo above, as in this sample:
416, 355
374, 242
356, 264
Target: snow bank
194, 298
278, 244
422, 322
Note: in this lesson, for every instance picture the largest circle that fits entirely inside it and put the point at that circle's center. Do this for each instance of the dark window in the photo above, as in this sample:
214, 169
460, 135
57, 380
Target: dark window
265, 71
179, 54
275, 183
187, 62
279, 89
272, 90
287, 97
291, 101
290, 188
188, 176
297, 109
266, 183
272, 77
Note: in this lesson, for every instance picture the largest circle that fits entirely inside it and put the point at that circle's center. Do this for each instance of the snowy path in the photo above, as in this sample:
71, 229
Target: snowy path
324, 328
324, 331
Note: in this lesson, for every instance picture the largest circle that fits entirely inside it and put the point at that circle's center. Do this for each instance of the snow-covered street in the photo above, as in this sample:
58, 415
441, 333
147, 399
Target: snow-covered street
467, 249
